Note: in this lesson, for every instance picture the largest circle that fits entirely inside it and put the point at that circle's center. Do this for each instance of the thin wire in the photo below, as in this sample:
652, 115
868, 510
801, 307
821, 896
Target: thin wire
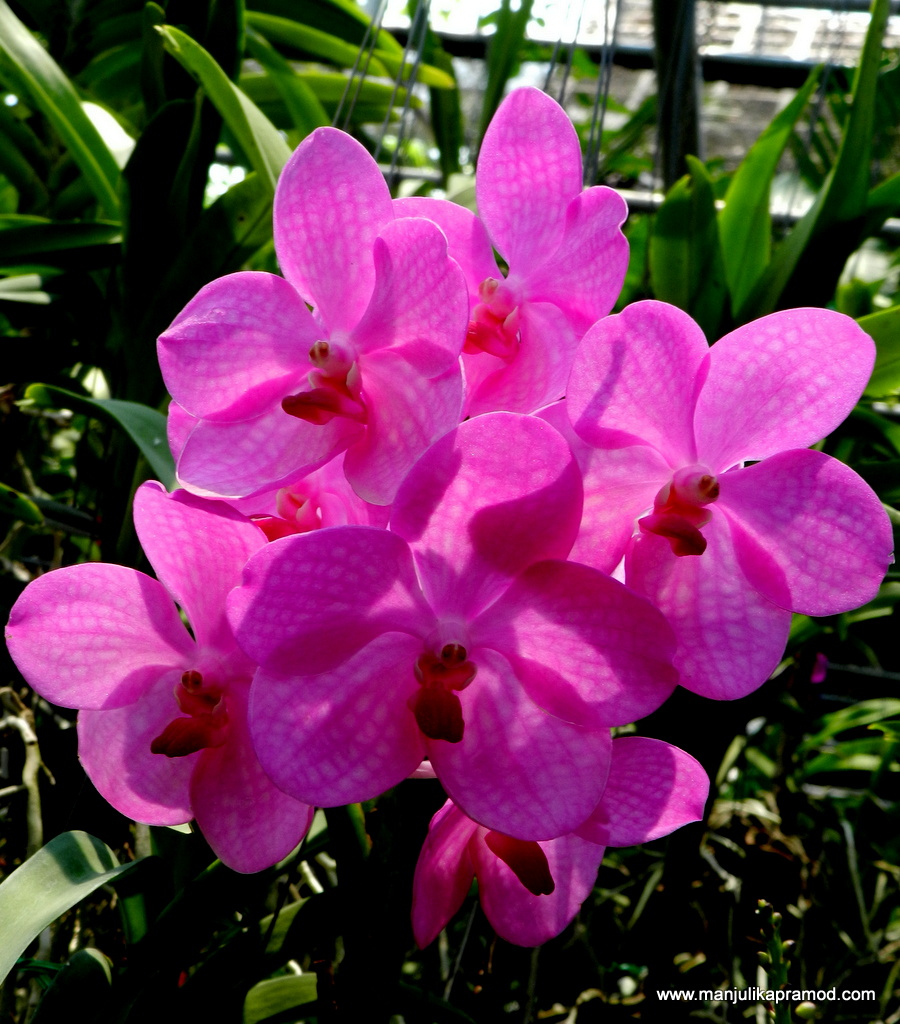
414, 42
570, 52
604, 79
357, 76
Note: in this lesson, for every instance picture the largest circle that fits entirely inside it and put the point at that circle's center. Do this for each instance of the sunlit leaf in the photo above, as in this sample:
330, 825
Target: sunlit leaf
278, 996
884, 328
67, 869
18, 506
145, 426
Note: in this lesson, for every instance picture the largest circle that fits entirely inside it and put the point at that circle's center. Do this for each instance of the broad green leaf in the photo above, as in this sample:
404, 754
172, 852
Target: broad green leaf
85, 981
264, 147
883, 202
18, 506
83, 244
685, 258
145, 426
67, 869
884, 329
805, 267
278, 996
745, 226
329, 88
304, 108
47, 87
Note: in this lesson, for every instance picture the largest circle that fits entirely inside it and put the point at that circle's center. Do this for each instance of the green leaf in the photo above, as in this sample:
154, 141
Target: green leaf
85, 981
806, 266
18, 506
145, 426
263, 146
47, 87
502, 56
278, 996
745, 226
58, 243
685, 259
67, 869
304, 108
342, 18
884, 329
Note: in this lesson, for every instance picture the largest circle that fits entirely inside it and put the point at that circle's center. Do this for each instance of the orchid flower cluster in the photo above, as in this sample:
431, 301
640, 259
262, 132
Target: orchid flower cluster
441, 519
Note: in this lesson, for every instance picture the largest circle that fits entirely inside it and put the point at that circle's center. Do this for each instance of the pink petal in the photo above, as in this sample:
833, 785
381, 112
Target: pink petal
537, 373
444, 873
240, 343
95, 636
585, 648
821, 523
330, 204
784, 381
619, 486
407, 412
312, 600
467, 239
483, 503
730, 638
585, 274
517, 769
179, 424
198, 550
233, 460
249, 823
519, 916
529, 168
635, 380
344, 735
653, 788
114, 747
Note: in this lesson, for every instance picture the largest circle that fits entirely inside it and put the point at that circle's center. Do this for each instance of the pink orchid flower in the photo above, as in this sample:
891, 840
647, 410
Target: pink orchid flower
563, 245
275, 391
459, 634
725, 549
530, 891
162, 730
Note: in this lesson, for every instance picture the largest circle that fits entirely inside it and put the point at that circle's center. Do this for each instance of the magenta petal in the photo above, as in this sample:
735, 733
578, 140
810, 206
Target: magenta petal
233, 460
241, 341
330, 204
95, 636
483, 503
635, 381
517, 769
467, 240
537, 373
821, 523
344, 735
114, 747
653, 788
444, 872
585, 648
311, 601
420, 299
198, 550
529, 168
179, 424
730, 638
407, 412
519, 916
585, 274
784, 381
249, 823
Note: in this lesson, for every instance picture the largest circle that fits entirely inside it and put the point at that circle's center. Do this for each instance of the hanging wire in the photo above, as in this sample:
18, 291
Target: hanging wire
601, 97
570, 51
360, 66
414, 43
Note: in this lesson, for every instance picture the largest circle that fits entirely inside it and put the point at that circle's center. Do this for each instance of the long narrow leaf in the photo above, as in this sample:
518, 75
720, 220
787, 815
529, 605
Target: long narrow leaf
264, 147
67, 869
53, 94
305, 110
145, 426
745, 226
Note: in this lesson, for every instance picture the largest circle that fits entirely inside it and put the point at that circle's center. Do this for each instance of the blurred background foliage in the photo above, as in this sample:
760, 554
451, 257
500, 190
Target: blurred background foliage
139, 147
